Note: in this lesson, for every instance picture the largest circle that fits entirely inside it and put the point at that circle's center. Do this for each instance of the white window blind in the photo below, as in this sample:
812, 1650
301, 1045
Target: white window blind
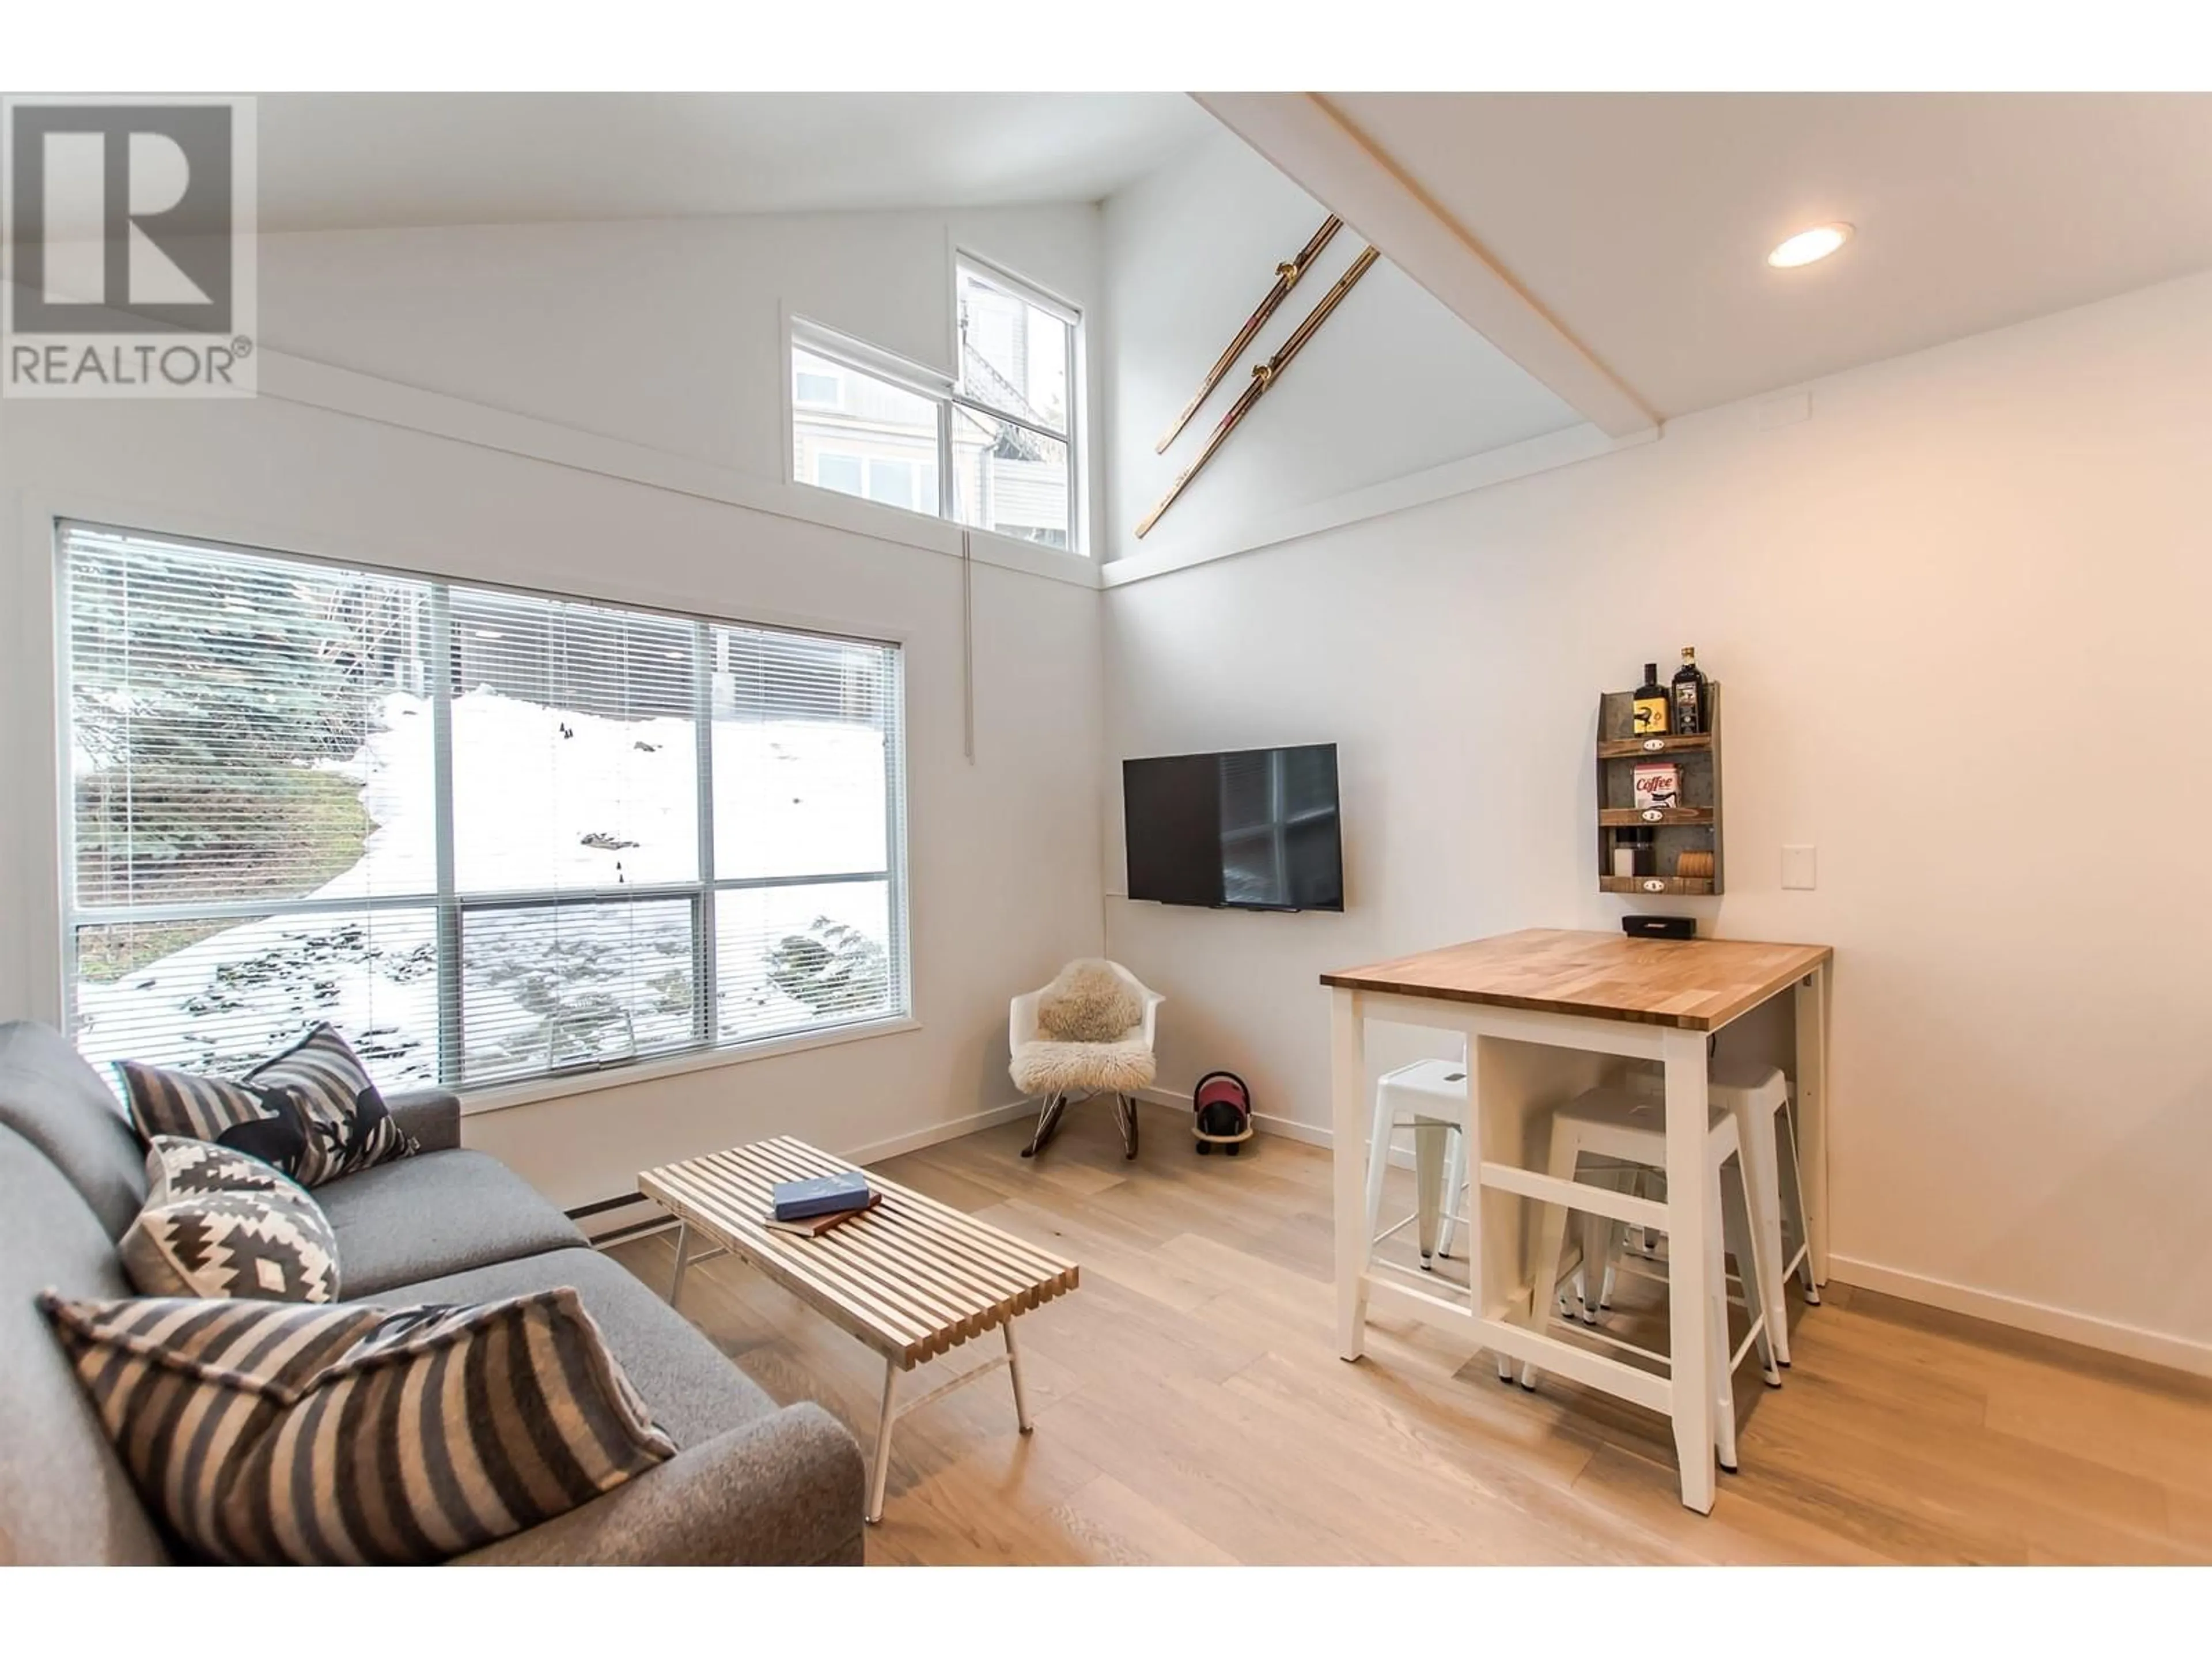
490, 835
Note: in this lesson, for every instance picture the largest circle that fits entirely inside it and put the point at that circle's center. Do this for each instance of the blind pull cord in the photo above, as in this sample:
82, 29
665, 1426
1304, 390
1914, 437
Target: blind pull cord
967, 648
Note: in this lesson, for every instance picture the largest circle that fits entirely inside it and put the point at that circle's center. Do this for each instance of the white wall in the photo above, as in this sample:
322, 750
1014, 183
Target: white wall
1392, 383
1003, 854
664, 332
1960, 615
1977, 578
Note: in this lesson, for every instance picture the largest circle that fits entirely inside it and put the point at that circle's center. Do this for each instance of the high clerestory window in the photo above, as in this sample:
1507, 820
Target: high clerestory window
994, 446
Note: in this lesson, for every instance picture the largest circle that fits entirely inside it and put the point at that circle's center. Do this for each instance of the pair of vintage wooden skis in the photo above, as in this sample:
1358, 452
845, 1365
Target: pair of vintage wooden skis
1263, 374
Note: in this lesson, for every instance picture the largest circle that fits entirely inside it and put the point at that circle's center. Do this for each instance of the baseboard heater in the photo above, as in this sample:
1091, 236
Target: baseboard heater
604, 1223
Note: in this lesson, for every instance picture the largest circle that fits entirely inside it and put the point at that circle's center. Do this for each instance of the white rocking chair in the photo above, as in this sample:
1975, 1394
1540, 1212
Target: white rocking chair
1056, 1069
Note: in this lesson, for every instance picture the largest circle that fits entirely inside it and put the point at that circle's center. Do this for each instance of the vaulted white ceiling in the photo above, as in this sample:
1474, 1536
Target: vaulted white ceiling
1635, 227
360, 160
1611, 244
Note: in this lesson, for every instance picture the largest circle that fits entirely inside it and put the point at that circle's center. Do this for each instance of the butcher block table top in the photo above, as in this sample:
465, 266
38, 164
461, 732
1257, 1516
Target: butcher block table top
1695, 984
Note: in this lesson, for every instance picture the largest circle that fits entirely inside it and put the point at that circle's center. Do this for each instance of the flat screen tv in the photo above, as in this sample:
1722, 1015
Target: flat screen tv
1251, 829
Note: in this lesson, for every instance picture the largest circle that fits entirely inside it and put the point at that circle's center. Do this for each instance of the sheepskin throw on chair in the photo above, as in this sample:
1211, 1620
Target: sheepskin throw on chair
1088, 1032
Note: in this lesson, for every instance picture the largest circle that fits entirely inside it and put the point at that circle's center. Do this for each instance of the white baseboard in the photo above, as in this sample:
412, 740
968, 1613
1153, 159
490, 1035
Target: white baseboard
1265, 1123
1289, 1128
626, 1219
913, 1141
2108, 1335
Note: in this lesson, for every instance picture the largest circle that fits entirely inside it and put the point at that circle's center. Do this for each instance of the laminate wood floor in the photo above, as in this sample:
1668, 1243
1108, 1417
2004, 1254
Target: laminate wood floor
1190, 1406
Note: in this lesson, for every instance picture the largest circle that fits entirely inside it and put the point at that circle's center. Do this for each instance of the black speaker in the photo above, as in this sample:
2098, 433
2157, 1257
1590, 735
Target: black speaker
1660, 927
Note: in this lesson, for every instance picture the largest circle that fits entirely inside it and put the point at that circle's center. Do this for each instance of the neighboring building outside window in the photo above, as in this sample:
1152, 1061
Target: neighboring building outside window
491, 836
1010, 425
991, 448
878, 426
843, 473
894, 483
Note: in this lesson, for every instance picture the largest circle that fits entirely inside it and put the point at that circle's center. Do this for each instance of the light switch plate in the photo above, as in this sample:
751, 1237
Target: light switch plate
1799, 868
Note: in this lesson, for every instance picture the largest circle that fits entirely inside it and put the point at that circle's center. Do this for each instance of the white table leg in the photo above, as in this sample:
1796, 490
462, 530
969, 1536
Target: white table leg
1811, 1106
1716, 1339
881, 1473
1348, 1086
1379, 1134
683, 1239
1491, 1271
1014, 1368
1688, 1305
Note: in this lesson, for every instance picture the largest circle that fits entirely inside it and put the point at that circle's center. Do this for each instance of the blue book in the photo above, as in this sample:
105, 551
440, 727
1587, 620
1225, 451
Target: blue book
820, 1195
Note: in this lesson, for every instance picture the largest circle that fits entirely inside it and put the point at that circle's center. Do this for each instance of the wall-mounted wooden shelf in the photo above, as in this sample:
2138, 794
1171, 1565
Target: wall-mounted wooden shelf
1694, 826
1651, 748
1685, 886
1635, 818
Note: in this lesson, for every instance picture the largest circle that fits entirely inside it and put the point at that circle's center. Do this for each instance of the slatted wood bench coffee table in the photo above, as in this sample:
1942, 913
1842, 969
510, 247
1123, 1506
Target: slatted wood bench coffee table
912, 1277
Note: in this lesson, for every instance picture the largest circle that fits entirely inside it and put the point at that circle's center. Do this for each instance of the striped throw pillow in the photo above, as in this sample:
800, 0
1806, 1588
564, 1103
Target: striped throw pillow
347, 1125
270, 1433
311, 1111
213, 1109
217, 1223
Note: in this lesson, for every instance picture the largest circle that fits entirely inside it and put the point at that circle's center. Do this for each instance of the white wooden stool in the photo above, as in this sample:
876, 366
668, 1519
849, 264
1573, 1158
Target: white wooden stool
1629, 1130
1429, 1097
1757, 1096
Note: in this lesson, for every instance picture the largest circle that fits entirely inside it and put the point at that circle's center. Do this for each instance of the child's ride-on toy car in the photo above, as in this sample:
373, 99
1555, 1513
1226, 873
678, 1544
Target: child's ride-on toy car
1222, 1108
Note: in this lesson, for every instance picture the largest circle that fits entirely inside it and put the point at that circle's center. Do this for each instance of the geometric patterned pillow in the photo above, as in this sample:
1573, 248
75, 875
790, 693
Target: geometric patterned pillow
343, 1435
346, 1124
196, 1108
217, 1223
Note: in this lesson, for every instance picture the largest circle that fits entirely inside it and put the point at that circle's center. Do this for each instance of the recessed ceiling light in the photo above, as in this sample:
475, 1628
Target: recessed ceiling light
1807, 245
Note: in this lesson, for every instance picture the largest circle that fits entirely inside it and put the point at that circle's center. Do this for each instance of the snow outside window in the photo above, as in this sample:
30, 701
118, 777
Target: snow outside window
489, 835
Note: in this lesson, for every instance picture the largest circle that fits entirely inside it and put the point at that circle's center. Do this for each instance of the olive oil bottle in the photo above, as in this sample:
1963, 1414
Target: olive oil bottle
1651, 700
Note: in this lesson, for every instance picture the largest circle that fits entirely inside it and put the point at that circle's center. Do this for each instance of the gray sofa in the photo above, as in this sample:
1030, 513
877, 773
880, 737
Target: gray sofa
752, 1483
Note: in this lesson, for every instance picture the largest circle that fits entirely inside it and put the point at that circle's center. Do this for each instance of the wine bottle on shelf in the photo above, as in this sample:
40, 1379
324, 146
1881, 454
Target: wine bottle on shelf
1689, 693
1651, 718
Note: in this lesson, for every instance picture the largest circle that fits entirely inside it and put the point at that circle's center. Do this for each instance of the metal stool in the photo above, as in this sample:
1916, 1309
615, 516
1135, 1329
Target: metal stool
1628, 1129
1757, 1096
1429, 1097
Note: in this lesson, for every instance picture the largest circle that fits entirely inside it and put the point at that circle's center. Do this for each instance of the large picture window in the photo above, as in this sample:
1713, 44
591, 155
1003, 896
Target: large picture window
993, 447
491, 836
